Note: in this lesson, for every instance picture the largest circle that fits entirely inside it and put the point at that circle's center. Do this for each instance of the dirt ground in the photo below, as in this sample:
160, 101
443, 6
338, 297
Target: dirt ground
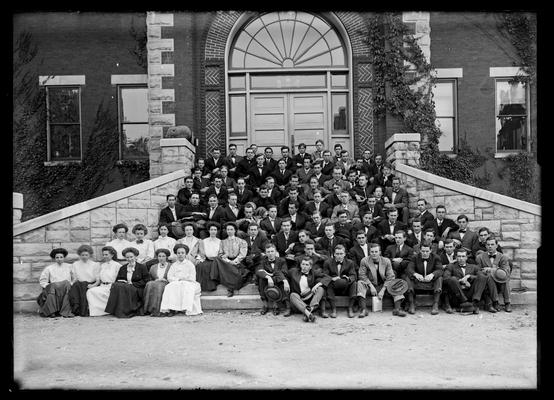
244, 350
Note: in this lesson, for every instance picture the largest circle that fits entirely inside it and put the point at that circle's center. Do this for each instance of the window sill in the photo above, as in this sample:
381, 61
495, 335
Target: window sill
135, 161
508, 153
61, 163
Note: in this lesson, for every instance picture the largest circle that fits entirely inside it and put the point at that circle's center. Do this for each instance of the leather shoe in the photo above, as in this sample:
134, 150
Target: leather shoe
449, 310
475, 309
311, 318
264, 310
275, 310
507, 307
333, 314
411, 309
324, 314
305, 318
350, 312
435, 309
230, 293
491, 309
363, 313
398, 313
287, 313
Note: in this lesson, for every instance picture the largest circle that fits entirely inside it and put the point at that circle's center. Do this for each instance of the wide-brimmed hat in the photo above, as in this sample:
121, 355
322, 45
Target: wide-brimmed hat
273, 293
178, 231
499, 275
397, 287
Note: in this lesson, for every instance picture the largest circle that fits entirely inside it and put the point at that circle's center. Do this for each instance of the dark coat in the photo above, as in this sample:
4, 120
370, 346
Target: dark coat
392, 251
327, 245
298, 160
433, 265
219, 215
271, 164
371, 232
243, 167
426, 217
377, 213
246, 196
324, 209
212, 164
300, 222
258, 246
256, 178
281, 244
314, 277
348, 268
222, 197
411, 239
470, 240
183, 196
401, 199
139, 278
166, 216
282, 178
230, 215
265, 224
384, 229
327, 169
322, 178
314, 230
454, 269
447, 222
356, 254
279, 272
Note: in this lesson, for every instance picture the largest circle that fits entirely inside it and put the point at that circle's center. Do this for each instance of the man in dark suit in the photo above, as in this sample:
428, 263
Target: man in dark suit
463, 282
484, 234
285, 156
200, 184
214, 211
360, 250
306, 288
247, 218
269, 161
309, 251
388, 228
171, 214
218, 190
367, 163
317, 205
257, 242
232, 210
282, 174
273, 191
441, 225
371, 232
263, 199
343, 228
328, 242
424, 214
316, 227
448, 254
342, 273
183, 195
215, 161
298, 219
362, 190
243, 195
424, 272
305, 171
415, 235
196, 213
244, 165
375, 169
321, 177
299, 158
258, 172
465, 237
327, 165
229, 183
292, 197
272, 223
400, 254
232, 161
272, 271
376, 209
399, 198
285, 238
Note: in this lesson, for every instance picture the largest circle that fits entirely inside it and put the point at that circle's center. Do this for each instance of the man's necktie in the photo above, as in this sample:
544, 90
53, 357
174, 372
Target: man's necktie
140, 241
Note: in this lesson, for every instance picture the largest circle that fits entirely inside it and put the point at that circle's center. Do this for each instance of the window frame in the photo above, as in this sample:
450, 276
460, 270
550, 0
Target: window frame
49, 158
455, 135
505, 153
120, 121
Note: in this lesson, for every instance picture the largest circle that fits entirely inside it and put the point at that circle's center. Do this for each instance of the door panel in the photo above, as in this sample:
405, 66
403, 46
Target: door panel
269, 121
308, 119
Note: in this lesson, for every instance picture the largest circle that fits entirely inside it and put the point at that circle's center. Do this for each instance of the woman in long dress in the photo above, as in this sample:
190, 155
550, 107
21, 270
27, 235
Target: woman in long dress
208, 250
191, 241
155, 287
56, 281
120, 242
97, 296
229, 264
182, 293
126, 293
165, 242
87, 275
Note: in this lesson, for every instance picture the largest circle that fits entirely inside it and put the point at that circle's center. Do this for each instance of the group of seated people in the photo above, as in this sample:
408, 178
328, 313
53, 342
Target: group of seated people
301, 236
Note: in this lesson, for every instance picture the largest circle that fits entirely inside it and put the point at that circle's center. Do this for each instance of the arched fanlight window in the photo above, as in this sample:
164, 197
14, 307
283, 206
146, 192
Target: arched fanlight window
290, 39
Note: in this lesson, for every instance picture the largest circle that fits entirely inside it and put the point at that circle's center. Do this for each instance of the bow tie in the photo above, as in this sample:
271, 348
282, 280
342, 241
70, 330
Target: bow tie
462, 266
304, 273
140, 241
462, 231
492, 255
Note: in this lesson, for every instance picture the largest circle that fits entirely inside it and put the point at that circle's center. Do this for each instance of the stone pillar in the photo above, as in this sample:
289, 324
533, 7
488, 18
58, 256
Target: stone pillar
176, 154
161, 94
17, 205
403, 148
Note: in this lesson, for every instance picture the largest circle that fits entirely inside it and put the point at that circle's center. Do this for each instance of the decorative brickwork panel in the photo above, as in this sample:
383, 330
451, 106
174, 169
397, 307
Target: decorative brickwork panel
364, 73
363, 137
218, 34
213, 122
357, 31
212, 76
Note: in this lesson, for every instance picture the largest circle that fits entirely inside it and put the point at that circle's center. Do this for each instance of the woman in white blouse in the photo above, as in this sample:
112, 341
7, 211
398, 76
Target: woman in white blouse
143, 245
97, 296
182, 293
86, 273
165, 242
208, 250
55, 281
120, 241
154, 288
191, 241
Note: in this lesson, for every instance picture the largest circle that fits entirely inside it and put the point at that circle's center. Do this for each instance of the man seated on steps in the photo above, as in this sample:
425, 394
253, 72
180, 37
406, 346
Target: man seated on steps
497, 266
462, 283
310, 251
376, 276
307, 290
257, 242
424, 272
342, 280
272, 272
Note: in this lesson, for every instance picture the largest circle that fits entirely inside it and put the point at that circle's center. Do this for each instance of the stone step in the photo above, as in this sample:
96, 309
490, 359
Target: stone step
248, 298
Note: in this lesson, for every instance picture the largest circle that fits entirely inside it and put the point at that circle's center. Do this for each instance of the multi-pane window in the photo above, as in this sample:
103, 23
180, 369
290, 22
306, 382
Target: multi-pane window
64, 122
444, 96
133, 121
511, 115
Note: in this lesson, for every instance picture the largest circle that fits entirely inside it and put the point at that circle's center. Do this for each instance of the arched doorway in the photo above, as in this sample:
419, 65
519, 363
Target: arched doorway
288, 82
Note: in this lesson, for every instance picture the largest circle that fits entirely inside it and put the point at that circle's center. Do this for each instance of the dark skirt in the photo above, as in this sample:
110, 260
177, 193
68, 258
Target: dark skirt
153, 293
227, 274
125, 300
203, 275
54, 298
78, 298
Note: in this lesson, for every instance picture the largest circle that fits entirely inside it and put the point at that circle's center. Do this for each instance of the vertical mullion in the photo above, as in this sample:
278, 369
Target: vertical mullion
80, 127
329, 107
48, 131
248, 111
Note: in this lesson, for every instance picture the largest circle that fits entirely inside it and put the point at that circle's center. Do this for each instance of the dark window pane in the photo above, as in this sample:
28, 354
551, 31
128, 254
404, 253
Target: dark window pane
512, 133
63, 104
340, 114
135, 140
134, 104
65, 142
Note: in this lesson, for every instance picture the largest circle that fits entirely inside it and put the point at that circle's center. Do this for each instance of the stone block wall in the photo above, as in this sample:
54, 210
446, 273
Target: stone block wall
89, 223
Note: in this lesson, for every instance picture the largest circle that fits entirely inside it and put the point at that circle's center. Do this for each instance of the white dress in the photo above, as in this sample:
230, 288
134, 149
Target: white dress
97, 296
182, 295
119, 246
